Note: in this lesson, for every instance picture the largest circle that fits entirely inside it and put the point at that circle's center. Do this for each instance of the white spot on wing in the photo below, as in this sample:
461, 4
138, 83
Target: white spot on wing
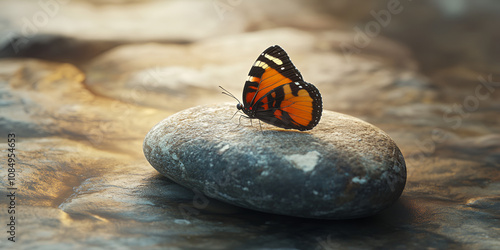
261, 64
274, 59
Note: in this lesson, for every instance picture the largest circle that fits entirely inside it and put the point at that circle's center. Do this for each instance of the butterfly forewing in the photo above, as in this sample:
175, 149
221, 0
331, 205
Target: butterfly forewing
276, 93
271, 69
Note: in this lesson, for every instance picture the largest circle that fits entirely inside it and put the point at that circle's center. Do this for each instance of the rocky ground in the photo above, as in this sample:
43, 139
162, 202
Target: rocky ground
82, 82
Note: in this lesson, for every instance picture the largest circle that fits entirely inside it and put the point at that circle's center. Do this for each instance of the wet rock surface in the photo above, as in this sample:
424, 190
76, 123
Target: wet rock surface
342, 169
79, 99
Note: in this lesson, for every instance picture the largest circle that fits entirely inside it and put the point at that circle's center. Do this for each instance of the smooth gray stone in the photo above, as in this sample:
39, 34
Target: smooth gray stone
343, 168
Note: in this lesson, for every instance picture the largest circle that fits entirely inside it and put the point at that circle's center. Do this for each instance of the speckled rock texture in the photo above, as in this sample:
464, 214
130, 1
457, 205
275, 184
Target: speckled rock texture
82, 82
344, 168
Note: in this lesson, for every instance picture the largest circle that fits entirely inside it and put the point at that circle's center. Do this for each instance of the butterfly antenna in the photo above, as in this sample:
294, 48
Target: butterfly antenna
225, 92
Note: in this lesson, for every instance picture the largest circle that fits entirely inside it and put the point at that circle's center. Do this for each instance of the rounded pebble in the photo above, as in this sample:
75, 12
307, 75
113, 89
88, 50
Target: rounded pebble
343, 168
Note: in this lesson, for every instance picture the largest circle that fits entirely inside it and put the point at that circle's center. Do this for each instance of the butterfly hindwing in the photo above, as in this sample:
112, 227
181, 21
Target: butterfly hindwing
295, 105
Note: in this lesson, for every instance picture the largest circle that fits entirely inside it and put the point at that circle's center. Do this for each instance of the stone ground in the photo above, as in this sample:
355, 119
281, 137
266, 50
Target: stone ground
82, 82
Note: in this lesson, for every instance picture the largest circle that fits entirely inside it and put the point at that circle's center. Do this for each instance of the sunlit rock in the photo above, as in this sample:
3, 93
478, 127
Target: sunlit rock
343, 168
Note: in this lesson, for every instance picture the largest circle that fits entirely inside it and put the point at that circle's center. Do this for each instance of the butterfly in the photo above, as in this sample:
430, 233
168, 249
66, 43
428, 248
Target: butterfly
275, 93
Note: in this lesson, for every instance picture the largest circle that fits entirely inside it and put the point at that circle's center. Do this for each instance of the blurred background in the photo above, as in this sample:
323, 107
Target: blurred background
82, 82
199, 45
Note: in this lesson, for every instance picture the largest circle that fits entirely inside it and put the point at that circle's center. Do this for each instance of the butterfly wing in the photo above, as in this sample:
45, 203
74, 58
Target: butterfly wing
276, 93
272, 68
296, 105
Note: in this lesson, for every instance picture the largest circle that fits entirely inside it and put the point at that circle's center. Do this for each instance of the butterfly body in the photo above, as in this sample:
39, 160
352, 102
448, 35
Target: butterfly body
275, 93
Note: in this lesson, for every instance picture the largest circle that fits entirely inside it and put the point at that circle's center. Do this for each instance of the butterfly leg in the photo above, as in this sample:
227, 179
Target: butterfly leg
260, 125
239, 121
244, 116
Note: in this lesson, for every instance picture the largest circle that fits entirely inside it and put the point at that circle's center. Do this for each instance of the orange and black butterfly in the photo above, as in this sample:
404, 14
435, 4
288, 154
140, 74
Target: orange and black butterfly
275, 93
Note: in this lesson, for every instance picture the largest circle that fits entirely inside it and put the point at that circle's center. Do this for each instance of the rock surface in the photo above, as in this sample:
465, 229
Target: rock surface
82, 178
344, 168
